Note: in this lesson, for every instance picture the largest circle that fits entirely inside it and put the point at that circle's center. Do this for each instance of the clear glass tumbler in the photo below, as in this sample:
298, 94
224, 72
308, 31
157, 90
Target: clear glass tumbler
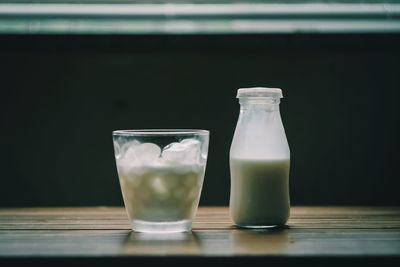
161, 174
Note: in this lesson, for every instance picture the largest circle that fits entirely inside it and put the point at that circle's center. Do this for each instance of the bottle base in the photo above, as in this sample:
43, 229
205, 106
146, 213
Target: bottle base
247, 226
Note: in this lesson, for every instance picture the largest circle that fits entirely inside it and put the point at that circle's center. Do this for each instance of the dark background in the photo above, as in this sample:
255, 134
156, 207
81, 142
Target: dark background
61, 96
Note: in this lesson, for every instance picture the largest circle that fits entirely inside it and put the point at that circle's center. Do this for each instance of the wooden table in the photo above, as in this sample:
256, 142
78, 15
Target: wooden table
102, 235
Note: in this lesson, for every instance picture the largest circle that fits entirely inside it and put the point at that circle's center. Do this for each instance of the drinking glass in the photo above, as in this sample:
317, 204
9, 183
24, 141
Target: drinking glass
161, 174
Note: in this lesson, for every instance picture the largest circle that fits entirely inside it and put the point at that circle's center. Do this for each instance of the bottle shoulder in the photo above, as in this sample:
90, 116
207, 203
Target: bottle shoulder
260, 135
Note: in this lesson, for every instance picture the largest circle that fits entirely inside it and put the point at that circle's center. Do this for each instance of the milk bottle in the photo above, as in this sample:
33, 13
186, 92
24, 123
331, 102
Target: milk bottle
259, 161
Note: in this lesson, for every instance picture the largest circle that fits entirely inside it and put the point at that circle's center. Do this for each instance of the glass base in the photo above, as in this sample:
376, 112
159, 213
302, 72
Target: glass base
161, 227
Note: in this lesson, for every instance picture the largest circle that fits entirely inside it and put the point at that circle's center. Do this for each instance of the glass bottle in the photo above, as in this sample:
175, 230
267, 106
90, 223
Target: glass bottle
259, 161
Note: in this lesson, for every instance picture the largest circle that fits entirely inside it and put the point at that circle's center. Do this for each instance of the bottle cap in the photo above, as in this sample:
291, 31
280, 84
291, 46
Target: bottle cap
259, 92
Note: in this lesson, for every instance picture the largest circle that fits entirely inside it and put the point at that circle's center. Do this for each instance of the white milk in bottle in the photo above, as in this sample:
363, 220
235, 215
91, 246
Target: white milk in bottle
259, 161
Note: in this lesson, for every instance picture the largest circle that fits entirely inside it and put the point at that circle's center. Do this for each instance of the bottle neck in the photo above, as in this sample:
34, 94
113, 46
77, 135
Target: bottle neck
261, 103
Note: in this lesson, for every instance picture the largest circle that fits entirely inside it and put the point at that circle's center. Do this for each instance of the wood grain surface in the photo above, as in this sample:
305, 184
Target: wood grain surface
330, 232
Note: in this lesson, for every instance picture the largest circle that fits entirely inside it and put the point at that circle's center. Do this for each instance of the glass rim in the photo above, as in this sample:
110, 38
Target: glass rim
160, 132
